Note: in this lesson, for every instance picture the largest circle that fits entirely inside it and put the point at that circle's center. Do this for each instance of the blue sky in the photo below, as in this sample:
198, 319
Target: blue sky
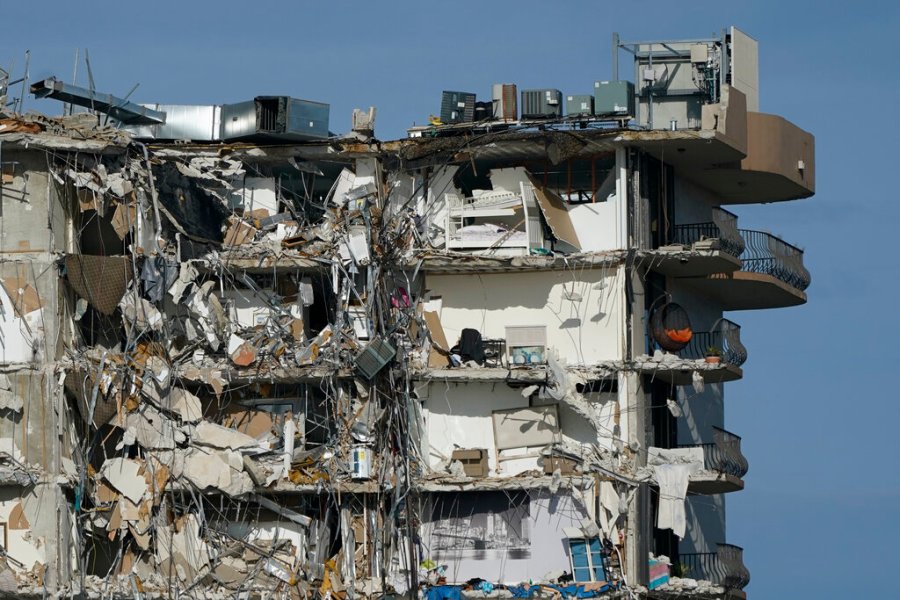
819, 515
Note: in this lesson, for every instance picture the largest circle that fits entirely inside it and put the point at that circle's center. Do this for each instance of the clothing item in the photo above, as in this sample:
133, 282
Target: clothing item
673, 484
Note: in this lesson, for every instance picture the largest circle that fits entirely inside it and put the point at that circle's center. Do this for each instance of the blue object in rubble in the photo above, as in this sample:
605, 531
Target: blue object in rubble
486, 586
521, 591
443, 592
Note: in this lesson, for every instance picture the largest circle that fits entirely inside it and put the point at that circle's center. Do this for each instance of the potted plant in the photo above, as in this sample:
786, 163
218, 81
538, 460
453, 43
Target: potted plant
713, 355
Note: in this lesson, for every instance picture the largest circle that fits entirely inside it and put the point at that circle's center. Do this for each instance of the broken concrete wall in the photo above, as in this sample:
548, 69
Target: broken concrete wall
26, 204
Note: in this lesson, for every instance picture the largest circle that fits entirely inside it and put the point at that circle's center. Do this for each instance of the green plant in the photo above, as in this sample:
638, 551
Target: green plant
713, 351
680, 570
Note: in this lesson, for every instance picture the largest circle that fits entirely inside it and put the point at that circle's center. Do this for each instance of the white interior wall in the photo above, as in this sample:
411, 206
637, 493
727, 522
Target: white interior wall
34, 544
256, 193
581, 309
546, 552
596, 225
599, 225
458, 416
247, 308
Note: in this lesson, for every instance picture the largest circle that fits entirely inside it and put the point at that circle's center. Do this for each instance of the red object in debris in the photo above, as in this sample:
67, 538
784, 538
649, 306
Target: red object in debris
244, 355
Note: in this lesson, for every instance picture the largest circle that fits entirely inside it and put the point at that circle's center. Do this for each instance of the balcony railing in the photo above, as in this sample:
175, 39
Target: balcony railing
760, 252
724, 567
767, 254
724, 454
723, 228
724, 335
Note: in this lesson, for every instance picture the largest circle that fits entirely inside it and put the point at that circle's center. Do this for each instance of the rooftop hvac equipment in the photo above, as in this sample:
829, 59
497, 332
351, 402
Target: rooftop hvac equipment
374, 358
541, 104
279, 117
364, 121
504, 97
118, 108
199, 123
614, 98
579, 105
457, 107
483, 111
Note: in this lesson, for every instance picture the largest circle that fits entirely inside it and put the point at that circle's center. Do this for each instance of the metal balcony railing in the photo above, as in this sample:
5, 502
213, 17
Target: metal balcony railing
723, 454
760, 252
724, 567
767, 254
723, 227
725, 335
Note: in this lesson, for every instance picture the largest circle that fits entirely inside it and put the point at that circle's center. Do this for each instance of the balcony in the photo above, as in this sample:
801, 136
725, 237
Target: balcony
725, 567
723, 229
772, 274
779, 165
725, 336
724, 465
714, 247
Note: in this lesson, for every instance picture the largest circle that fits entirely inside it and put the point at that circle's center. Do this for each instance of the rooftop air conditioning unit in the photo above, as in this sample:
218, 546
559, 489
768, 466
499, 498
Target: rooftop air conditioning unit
504, 99
457, 107
541, 104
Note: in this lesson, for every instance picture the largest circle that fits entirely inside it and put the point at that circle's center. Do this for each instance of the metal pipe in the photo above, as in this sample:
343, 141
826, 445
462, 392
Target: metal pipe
153, 194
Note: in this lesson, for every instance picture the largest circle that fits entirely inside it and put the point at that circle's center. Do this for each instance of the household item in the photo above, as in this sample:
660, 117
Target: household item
474, 461
526, 344
670, 327
360, 462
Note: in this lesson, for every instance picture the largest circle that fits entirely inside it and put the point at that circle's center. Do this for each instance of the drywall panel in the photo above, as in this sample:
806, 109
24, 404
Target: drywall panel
581, 309
526, 427
509, 537
556, 214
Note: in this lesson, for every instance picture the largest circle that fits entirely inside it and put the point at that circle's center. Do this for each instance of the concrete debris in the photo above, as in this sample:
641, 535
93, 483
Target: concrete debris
124, 474
220, 470
186, 405
216, 436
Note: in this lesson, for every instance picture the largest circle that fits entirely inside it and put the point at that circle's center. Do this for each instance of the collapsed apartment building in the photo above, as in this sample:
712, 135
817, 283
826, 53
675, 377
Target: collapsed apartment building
243, 356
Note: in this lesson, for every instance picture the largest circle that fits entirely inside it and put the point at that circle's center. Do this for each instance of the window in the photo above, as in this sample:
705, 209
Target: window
586, 559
